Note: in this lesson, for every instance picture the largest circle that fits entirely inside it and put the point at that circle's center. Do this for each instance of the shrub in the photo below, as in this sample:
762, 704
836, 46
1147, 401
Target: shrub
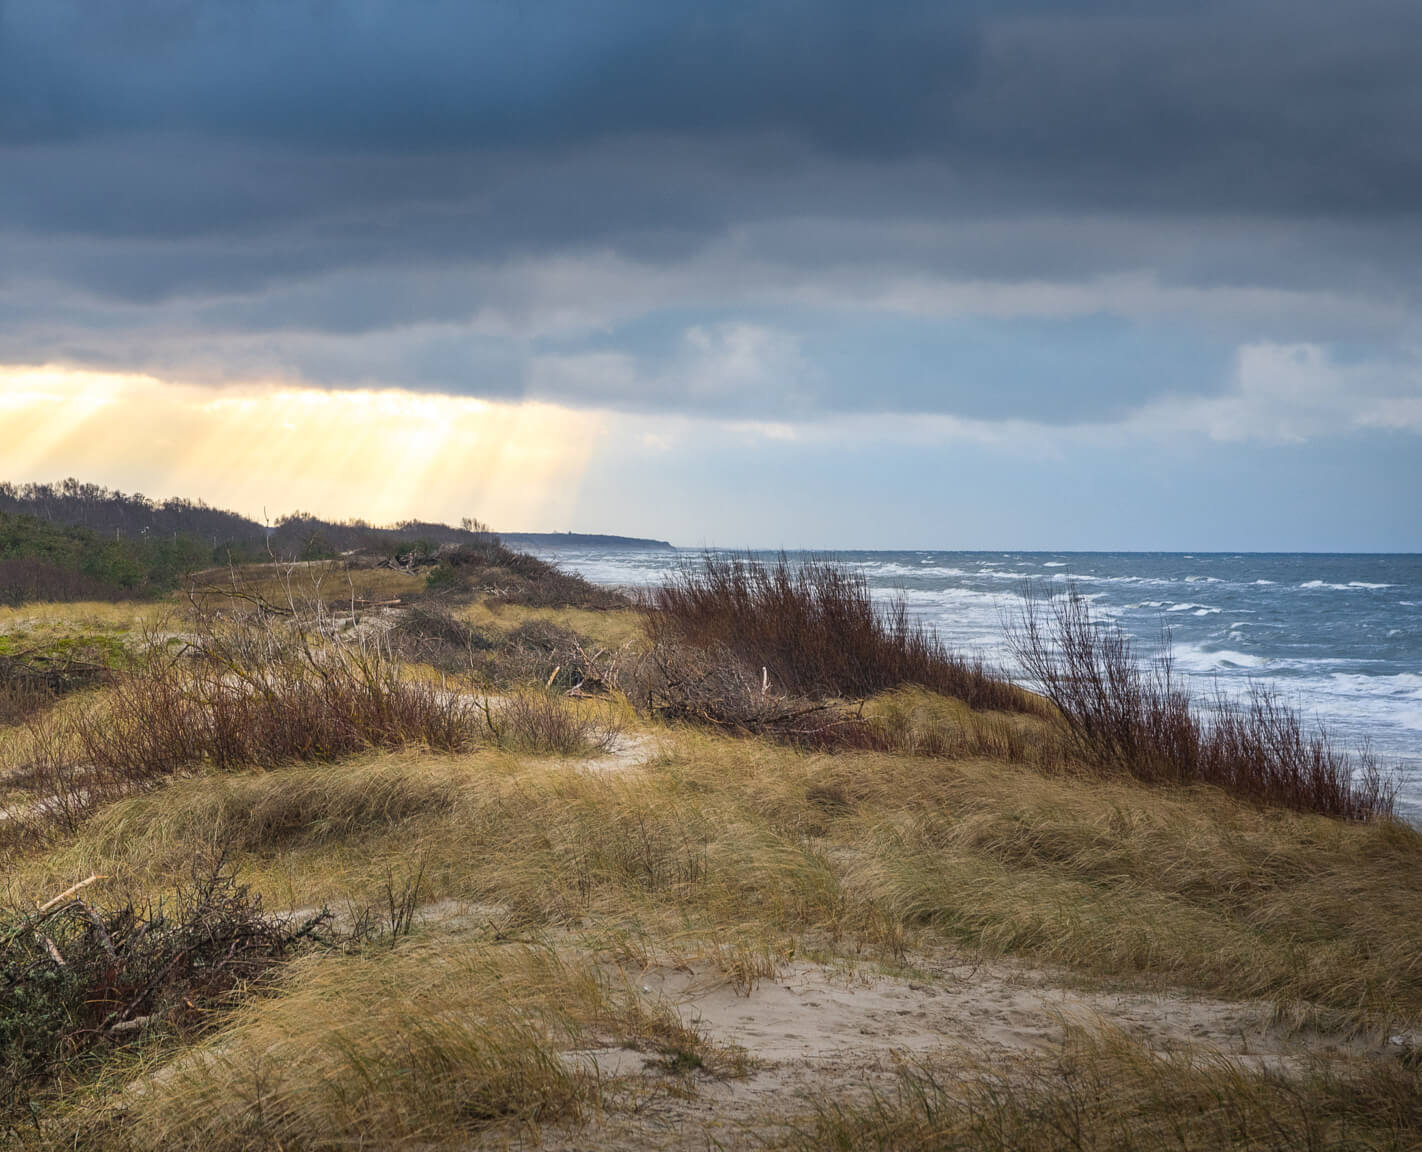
77, 976
510, 577
543, 722
1124, 714
258, 692
762, 647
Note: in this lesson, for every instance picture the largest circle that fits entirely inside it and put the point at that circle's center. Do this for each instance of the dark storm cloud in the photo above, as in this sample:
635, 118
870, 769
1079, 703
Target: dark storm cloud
224, 166
1263, 104
453, 74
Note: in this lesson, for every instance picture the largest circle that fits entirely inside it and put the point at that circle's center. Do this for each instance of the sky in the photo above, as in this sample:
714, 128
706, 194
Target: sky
905, 274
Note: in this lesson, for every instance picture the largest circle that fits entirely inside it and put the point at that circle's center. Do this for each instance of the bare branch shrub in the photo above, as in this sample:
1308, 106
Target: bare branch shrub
1138, 717
76, 975
809, 631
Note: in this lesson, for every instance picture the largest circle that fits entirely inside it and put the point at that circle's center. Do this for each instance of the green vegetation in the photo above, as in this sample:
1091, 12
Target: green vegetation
45, 561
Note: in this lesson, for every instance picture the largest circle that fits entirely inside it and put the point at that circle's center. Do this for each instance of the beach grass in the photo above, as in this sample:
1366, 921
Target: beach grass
501, 906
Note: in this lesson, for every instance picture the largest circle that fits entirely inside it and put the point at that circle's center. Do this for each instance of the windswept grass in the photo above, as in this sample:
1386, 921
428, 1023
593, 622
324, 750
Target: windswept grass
864, 851
408, 1047
262, 691
492, 902
1110, 1094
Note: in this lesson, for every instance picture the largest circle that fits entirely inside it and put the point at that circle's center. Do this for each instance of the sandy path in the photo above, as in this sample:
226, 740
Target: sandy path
843, 1031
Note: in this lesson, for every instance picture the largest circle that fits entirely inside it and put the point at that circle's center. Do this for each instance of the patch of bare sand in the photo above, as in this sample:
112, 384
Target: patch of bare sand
843, 1030
631, 750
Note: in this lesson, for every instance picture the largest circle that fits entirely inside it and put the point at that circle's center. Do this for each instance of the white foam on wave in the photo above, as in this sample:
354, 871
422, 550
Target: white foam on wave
1263, 581
1195, 658
1054, 564
892, 568
1365, 584
1388, 709
1195, 609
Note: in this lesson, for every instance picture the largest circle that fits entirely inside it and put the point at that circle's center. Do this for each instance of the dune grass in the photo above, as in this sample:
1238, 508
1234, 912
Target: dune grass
39, 623
1108, 1092
608, 629
521, 884
863, 851
410, 1046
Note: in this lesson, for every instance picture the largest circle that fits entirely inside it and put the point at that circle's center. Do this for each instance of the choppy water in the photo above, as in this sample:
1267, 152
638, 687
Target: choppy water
1340, 635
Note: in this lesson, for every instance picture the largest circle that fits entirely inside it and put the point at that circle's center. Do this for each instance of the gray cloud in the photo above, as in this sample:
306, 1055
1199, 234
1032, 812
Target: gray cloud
420, 194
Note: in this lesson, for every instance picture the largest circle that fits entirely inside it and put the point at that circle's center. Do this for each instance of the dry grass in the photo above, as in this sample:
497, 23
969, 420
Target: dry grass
261, 690
872, 851
46, 621
611, 629
333, 583
1108, 1093
518, 888
401, 1048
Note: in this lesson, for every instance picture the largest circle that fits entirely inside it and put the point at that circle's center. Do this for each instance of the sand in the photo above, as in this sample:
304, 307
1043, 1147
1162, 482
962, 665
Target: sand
844, 1030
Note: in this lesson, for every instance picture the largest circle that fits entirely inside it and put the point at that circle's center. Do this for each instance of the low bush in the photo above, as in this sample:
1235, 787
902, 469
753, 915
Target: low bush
815, 631
509, 577
77, 976
764, 647
1126, 714
543, 722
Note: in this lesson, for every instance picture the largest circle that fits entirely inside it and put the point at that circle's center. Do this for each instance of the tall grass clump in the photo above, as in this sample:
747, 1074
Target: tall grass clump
1109, 1092
1127, 714
808, 631
260, 691
256, 696
419, 1045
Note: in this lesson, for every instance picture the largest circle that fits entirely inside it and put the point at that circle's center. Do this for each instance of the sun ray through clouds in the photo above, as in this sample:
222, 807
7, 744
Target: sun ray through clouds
381, 455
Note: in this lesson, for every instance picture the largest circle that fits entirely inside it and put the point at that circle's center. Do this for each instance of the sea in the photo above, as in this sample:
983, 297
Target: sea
1339, 636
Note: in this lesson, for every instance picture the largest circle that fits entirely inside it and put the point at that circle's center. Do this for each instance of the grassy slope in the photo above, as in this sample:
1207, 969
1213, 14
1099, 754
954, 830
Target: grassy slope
741, 852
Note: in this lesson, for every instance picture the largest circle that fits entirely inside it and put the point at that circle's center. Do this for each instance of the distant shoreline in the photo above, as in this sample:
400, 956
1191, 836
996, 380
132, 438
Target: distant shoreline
574, 540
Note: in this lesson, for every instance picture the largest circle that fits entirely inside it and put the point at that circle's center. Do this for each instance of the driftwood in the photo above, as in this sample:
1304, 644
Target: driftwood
54, 674
68, 892
410, 562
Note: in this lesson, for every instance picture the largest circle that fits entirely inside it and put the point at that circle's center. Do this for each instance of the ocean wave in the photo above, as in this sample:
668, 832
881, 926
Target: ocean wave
1194, 658
1352, 585
892, 568
1195, 609
1054, 564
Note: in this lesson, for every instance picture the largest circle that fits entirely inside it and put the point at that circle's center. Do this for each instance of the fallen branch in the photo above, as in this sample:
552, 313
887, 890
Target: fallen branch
68, 892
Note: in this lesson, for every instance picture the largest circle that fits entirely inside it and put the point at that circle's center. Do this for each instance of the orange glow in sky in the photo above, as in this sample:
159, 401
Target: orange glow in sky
379, 455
